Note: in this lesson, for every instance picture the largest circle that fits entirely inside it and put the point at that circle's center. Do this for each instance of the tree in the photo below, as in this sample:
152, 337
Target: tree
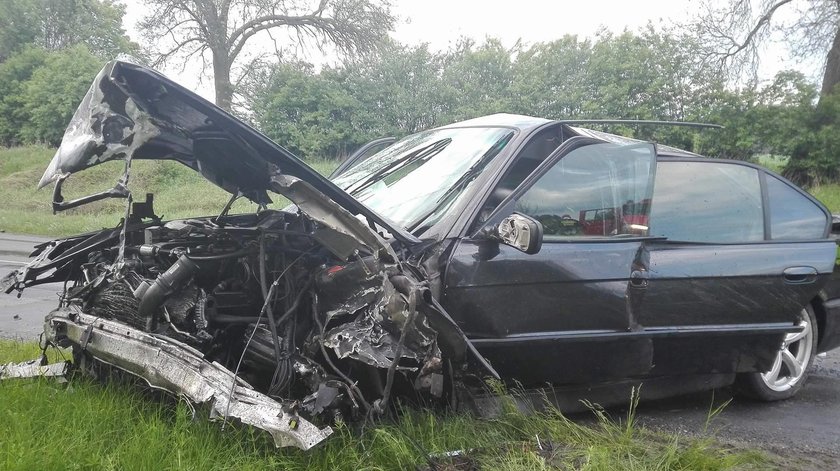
771, 119
222, 29
310, 114
15, 72
54, 91
329, 113
550, 79
732, 37
651, 74
58, 24
50, 51
477, 79
18, 26
40, 90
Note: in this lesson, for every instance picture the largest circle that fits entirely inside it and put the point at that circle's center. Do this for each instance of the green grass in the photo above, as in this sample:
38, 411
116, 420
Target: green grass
83, 424
179, 192
829, 194
775, 163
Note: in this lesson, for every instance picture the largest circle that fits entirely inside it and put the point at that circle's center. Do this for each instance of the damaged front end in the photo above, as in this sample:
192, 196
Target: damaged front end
284, 320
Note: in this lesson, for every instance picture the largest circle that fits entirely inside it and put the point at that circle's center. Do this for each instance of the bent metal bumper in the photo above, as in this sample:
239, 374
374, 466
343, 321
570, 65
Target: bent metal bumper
180, 369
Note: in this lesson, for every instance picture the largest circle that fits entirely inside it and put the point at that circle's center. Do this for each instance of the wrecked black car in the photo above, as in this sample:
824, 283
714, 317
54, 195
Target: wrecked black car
509, 247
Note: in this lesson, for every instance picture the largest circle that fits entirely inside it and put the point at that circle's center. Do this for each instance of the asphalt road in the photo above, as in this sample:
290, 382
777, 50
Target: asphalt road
803, 431
22, 318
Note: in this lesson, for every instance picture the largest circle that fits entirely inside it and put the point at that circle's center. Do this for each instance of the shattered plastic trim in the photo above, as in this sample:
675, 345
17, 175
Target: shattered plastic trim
32, 369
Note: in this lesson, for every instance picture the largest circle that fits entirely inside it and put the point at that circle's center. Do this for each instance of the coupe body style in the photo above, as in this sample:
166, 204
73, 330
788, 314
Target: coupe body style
514, 247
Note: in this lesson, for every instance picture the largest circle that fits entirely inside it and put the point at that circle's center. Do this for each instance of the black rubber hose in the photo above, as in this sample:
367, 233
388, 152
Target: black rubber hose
278, 381
164, 285
229, 319
221, 256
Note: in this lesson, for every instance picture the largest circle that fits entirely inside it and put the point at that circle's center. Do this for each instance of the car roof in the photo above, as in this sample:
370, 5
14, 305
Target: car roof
661, 149
527, 123
521, 122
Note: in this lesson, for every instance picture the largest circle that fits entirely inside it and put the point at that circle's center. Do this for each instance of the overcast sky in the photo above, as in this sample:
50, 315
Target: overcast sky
441, 22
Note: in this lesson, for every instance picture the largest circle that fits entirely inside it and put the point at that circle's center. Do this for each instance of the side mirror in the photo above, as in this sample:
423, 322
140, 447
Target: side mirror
520, 232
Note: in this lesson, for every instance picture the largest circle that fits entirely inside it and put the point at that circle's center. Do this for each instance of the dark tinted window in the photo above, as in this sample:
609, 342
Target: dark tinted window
598, 190
707, 202
792, 215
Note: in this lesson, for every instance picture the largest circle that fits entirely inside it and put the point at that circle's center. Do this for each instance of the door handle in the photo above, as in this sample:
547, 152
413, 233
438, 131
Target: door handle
800, 275
639, 279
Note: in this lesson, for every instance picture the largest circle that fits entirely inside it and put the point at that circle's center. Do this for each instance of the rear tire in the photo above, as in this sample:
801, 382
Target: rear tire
790, 369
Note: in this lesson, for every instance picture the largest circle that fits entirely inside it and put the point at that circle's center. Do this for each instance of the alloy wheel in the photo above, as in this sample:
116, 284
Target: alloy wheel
793, 358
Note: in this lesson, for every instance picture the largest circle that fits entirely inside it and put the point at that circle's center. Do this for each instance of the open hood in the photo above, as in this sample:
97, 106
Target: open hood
134, 112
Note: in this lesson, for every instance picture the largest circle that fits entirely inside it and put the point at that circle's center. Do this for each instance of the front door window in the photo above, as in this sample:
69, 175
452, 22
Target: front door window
599, 190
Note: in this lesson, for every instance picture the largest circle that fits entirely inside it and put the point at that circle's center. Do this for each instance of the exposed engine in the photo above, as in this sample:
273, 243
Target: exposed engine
240, 293
261, 296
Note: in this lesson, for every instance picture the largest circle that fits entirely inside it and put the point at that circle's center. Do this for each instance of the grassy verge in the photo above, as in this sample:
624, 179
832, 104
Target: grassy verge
829, 195
179, 192
86, 425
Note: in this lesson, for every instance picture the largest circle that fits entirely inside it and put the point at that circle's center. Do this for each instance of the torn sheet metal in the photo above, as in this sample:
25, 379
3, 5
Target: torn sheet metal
366, 341
33, 369
106, 126
374, 317
341, 232
180, 369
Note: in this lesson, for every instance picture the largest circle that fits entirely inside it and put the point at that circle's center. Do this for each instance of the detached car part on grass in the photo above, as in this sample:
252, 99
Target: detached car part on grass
278, 319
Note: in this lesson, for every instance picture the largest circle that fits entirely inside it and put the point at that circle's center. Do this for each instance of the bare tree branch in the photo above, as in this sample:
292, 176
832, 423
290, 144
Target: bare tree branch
164, 56
762, 22
224, 27
731, 37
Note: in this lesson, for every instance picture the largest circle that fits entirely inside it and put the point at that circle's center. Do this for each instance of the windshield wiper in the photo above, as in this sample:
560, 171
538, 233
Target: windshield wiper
465, 179
423, 153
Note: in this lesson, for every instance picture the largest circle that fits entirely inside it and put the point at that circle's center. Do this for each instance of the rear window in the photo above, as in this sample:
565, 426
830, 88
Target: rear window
707, 202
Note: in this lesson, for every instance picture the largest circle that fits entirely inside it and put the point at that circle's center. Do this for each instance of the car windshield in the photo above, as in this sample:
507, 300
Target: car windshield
419, 177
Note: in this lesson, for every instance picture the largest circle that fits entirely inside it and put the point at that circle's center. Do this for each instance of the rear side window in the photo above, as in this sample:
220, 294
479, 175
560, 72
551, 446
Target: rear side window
792, 215
707, 202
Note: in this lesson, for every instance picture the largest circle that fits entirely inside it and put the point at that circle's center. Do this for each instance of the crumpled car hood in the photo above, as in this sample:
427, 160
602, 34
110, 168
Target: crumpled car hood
134, 112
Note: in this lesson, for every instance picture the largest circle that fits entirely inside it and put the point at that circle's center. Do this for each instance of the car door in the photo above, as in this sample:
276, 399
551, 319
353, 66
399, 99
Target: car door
567, 313
741, 251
